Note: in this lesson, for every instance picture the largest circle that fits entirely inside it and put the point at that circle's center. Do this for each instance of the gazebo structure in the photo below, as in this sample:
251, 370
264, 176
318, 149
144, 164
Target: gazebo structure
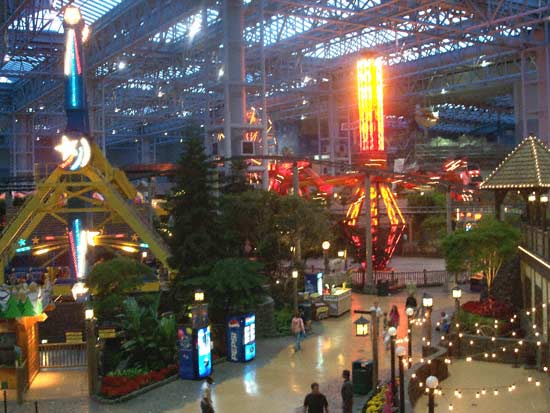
527, 170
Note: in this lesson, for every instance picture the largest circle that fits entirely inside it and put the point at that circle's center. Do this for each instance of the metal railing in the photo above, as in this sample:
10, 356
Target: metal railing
62, 355
536, 240
399, 280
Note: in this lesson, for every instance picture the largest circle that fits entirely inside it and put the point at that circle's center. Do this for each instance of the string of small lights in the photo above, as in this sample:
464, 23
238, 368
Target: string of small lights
476, 392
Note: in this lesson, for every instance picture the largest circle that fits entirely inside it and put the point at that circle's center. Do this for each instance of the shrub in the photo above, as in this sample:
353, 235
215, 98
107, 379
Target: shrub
489, 308
283, 317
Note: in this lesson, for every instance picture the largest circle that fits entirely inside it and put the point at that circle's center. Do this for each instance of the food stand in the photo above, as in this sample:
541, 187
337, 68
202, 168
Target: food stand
338, 301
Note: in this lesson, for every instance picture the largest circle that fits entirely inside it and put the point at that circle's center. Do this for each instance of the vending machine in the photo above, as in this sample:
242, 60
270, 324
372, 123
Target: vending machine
194, 352
313, 283
241, 338
194, 346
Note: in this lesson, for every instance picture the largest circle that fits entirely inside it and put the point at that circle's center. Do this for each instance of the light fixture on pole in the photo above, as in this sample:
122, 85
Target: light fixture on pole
532, 197
91, 351
295, 290
89, 314
457, 295
400, 352
410, 312
361, 327
431, 383
427, 302
325, 245
341, 254
199, 296
392, 332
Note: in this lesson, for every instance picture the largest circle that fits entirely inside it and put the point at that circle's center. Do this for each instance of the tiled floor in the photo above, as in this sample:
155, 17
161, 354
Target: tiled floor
470, 378
276, 381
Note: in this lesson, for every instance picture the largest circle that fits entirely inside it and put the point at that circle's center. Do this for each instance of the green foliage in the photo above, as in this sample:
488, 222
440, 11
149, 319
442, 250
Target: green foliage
283, 317
428, 228
434, 229
484, 248
149, 339
232, 285
193, 206
470, 323
130, 373
433, 199
111, 281
304, 220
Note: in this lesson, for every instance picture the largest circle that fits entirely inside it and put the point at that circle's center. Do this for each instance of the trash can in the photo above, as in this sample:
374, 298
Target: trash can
361, 376
383, 288
305, 307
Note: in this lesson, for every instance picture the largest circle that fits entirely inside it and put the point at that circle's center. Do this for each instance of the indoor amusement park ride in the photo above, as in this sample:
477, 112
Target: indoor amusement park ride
84, 195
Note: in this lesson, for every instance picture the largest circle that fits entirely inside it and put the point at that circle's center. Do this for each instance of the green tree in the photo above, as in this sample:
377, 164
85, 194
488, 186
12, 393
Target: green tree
110, 283
232, 285
194, 210
486, 247
248, 219
303, 224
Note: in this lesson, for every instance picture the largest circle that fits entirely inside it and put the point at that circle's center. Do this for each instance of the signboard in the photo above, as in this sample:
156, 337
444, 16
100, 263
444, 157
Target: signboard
106, 333
233, 328
73, 337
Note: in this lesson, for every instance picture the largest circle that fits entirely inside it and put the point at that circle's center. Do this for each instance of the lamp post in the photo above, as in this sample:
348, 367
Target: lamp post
361, 327
427, 303
295, 290
400, 351
325, 245
91, 355
410, 312
199, 296
457, 295
362, 330
392, 331
431, 383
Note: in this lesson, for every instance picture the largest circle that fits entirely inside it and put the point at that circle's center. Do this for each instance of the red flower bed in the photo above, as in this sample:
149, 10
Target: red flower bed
489, 308
117, 386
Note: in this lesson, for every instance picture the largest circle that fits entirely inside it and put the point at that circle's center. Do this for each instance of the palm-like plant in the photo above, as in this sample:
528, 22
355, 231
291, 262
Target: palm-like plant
149, 339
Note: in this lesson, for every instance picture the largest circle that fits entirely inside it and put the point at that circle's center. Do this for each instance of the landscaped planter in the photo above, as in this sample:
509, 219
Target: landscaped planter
113, 387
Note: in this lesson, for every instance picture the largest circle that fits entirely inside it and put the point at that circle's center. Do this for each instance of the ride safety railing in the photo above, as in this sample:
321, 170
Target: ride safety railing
399, 280
62, 355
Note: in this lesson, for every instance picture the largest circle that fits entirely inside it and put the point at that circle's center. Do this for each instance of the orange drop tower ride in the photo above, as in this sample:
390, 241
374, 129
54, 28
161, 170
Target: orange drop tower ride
372, 157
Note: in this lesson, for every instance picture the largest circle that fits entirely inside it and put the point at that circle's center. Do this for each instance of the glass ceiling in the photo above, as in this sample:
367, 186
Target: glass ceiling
50, 19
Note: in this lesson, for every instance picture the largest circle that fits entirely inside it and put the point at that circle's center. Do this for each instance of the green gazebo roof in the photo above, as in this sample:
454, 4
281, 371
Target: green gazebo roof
526, 167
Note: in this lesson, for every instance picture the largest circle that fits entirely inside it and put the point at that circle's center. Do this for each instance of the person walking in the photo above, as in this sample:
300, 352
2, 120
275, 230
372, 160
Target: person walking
298, 329
315, 402
206, 400
347, 393
393, 317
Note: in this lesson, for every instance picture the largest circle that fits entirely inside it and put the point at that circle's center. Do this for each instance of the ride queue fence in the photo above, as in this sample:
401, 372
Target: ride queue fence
62, 355
400, 280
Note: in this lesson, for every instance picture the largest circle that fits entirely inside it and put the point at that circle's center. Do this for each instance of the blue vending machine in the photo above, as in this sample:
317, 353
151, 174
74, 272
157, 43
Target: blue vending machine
194, 352
241, 338
313, 283
194, 346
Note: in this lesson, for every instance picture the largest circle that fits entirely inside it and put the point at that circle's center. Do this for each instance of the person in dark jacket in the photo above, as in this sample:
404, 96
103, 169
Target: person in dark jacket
347, 393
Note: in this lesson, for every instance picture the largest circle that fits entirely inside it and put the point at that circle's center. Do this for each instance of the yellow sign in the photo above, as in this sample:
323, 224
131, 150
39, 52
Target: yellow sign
107, 333
73, 337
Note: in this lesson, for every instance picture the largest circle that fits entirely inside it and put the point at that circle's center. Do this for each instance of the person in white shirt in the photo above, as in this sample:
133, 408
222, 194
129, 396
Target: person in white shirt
206, 390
